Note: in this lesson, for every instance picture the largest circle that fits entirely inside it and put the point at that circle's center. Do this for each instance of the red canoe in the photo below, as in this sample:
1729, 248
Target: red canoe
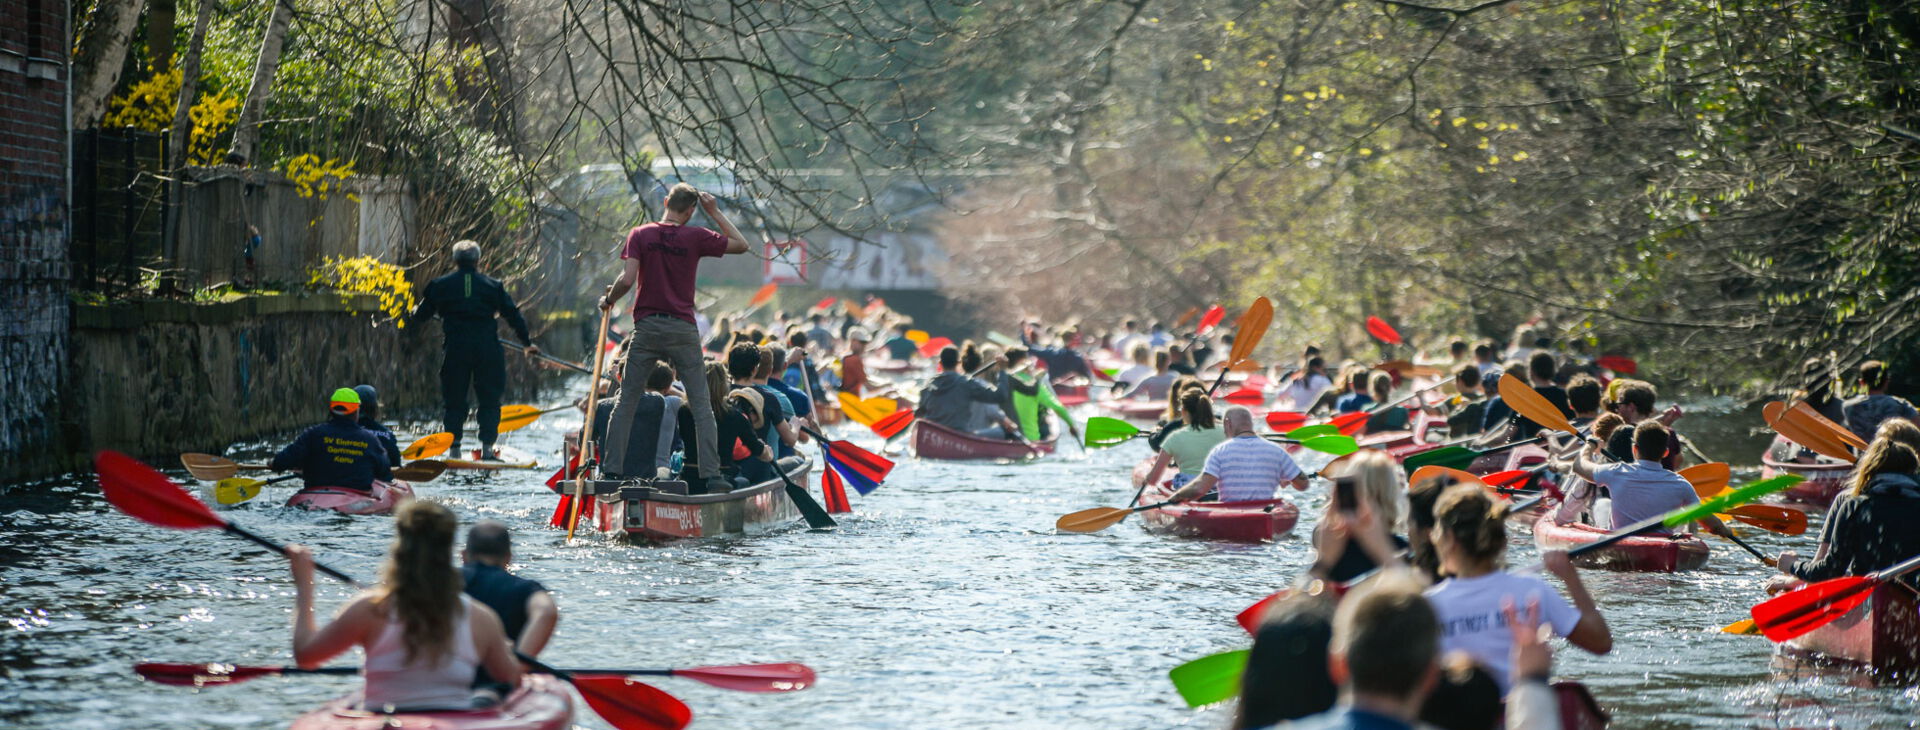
541, 703
382, 499
1255, 521
934, 441
1824, 479
1881, 636
1135, 410
1644, 553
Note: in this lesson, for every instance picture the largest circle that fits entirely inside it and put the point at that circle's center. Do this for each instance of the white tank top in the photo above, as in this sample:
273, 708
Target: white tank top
445, 682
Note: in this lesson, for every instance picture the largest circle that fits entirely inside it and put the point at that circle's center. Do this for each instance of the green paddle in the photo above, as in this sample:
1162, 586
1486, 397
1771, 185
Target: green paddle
1209, 679
1318, 429
1457, 457
1104, 431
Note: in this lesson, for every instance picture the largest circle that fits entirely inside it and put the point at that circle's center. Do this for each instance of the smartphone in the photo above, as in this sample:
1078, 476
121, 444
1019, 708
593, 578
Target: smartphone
1343, 495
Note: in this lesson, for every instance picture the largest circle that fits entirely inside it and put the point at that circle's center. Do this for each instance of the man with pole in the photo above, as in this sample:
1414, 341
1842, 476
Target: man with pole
663, 260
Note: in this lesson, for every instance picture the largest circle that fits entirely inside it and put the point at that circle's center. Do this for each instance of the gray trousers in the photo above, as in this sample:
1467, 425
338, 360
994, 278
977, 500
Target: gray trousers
678, 342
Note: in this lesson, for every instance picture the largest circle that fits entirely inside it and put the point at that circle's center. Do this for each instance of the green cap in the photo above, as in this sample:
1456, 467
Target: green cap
344, 401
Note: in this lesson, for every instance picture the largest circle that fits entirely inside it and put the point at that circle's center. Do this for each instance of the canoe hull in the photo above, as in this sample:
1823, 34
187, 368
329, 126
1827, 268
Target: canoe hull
934, 441
648, 515
382, 499
1881, 636
1824, 480
1251, 522
1134, 410
1642, 554
541, 703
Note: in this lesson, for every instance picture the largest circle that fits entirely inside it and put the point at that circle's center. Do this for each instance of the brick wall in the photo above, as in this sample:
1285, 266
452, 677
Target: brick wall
33, 232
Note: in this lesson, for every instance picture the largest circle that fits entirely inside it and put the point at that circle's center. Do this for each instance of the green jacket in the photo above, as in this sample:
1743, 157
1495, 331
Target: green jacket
1029, 395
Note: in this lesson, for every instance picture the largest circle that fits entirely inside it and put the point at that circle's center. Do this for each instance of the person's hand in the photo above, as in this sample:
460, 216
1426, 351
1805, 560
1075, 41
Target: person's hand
606, 300
708, 203
1557, 563
300, 563
1787, 560
1671, 414
1532, 659
795, 356
532, 350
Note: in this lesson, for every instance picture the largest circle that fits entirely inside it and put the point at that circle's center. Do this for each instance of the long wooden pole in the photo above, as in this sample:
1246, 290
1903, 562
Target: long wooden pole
588, 454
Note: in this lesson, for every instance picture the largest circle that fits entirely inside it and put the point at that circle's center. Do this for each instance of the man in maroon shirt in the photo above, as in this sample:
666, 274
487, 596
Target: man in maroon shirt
664, 258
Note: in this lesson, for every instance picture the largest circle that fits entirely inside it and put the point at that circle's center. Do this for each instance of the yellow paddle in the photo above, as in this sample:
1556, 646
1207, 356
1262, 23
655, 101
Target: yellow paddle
865, 411
516, 417
428, 446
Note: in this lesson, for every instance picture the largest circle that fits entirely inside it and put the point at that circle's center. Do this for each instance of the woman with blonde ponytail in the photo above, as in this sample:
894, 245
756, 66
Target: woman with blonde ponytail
1470, 536
423, 637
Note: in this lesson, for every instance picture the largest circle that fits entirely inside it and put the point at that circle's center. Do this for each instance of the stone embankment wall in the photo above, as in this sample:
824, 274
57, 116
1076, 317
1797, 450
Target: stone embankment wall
155, 379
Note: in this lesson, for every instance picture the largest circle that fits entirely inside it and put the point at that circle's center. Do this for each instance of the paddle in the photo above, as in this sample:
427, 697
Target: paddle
1798, 612
1618, 363
428, 446
866, 411
762, 296
1246, 335
1351, 424
214, 468
1104, 431
864, 469
149, 496
421, 470
1533, 406
1209, 679
1802, 425
1382, 331
549, 358
1245, 397
1458, 457
817, 517
1099, 518
588, 452
1286, 420
229, 490
516, 417
234, 490
740, 678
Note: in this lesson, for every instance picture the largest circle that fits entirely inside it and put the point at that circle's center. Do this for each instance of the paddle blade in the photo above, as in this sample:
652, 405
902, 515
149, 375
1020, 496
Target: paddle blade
199, 675
865, 411
1252, 327
863, 462
1527, 402
854, 310
1805, 432
514, 417
1246, 397
1340, 445
753, 677
209, 467
824, 304
1801, 411
1285, 421
1091, 520
1104, 431
931, 348
918, 337
428, 446
891, 425
1433, 470
149, 496
632, 705
1382, 331
1210, 679
1743, 627
1452, 457
1318, 429
1250, 617
236, 490
424, 470
1798, 612
763, 295
1511, 478
1772, 518
1619, 364
1211, 319
1350, 424
1708, 480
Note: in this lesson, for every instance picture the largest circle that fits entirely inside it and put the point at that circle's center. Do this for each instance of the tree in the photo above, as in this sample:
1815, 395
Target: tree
246, 131
99, 56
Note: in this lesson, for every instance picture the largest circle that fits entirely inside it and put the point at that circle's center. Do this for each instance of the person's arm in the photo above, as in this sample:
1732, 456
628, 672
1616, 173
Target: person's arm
425, 309
1195, 489
382, 470
629, 273
293, 456
510, 311
542, 616
490, 640
1832, 557
788, 434
1591, 633
1159, 467
314, 646
736, 243
1584, 467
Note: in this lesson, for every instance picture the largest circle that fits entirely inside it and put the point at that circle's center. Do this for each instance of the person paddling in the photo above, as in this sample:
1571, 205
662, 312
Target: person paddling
1245, 467
466, 302
1865, 412
423, 638
370, 420
1643, 489
338, 453
1872, 524
950, 397
526, 610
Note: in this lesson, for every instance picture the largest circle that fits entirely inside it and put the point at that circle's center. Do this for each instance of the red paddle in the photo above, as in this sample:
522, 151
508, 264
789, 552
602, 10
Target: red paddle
742, 678
1797, 612
149, 496
1284, 421
1618, 363
1211, 319
1384, 332
1246, 397
893, 424
1350, 424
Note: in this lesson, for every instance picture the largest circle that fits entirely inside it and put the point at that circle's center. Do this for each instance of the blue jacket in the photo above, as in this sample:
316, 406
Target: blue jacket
338, 453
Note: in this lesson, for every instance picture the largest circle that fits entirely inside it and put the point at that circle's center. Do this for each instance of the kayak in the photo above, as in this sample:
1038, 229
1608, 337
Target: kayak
1643, 553
934, 441
541, 703
1825, 479
643, 513
1073, 394
380, 500
1252, 521
510, 458
1881, 636
1135, 410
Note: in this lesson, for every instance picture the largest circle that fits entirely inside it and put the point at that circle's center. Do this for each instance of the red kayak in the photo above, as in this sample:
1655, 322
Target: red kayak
1881, 636
934, 441
541, 703
380, 500
1254, 521
1135, 410
1824, 478
1643, 553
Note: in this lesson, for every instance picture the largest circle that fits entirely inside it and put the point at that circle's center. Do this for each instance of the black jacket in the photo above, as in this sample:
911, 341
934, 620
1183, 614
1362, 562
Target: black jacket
948, 400
1869, 532
466, 301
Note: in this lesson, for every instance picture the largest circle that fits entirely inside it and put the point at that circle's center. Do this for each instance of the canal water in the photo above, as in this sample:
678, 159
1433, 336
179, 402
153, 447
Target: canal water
945, 601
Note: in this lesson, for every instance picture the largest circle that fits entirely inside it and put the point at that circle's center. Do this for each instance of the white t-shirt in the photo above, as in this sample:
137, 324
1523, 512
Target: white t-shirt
1306, 389
1135, 374
1471, 619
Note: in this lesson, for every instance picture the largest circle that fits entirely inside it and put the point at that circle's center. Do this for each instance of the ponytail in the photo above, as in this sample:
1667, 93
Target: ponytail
1474, 522
1198, 409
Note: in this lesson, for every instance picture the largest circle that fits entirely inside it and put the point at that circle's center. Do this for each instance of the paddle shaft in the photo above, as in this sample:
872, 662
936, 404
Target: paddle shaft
817, 517
574, 366
587, 452
1769, 562
1407, 397
348, 671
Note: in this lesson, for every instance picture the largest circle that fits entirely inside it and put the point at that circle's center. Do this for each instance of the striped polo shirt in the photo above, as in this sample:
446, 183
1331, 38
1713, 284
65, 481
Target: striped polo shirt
1249, 468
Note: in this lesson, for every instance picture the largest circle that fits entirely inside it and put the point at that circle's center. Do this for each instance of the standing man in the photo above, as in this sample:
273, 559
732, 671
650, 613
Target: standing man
664, 259
467, 301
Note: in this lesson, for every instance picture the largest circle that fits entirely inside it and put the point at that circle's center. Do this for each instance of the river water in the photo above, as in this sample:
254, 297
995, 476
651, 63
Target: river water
946, 601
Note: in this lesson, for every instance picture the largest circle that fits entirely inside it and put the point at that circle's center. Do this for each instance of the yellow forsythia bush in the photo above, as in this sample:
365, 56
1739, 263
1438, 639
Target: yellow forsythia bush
315, 177
149, 105
368, 275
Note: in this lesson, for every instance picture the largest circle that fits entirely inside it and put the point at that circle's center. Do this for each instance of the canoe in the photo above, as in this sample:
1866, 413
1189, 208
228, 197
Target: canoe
1824, 478
1135, 410
934, 441
541, 703
1881, 636
380, 500
1644, 553
510, 458
663, 513
1253, 521
1073, 394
